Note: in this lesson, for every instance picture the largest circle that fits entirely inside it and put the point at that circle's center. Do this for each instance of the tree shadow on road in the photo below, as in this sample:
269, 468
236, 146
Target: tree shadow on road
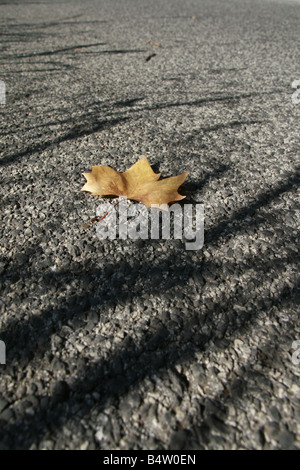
159, 348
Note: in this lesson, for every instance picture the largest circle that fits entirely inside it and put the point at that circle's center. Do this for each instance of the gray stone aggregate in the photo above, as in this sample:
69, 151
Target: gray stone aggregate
141, 344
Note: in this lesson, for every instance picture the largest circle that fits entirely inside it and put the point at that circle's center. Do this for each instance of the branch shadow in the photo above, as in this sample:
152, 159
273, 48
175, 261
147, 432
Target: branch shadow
168, 345
95, 125
213, 410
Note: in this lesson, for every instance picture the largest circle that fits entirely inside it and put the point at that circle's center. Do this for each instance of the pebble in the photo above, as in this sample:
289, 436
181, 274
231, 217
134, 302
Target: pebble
286, 439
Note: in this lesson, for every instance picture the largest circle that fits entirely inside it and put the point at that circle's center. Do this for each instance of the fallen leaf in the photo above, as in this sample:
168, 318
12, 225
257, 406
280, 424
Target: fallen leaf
138, 183
152, 43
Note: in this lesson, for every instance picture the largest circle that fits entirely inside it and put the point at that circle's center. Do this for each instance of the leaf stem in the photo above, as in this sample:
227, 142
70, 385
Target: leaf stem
95, 219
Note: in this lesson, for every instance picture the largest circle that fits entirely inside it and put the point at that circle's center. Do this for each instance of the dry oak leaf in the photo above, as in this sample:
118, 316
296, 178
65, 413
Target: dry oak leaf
138, 183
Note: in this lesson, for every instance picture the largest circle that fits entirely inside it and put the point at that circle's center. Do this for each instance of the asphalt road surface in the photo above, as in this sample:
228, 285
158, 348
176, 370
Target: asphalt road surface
143, 344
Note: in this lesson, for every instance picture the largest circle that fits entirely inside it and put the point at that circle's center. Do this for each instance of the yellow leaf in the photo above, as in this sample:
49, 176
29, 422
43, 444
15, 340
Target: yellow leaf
139, 183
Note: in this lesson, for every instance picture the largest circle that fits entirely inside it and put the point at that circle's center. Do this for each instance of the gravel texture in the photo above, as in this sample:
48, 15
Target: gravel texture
123, 344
